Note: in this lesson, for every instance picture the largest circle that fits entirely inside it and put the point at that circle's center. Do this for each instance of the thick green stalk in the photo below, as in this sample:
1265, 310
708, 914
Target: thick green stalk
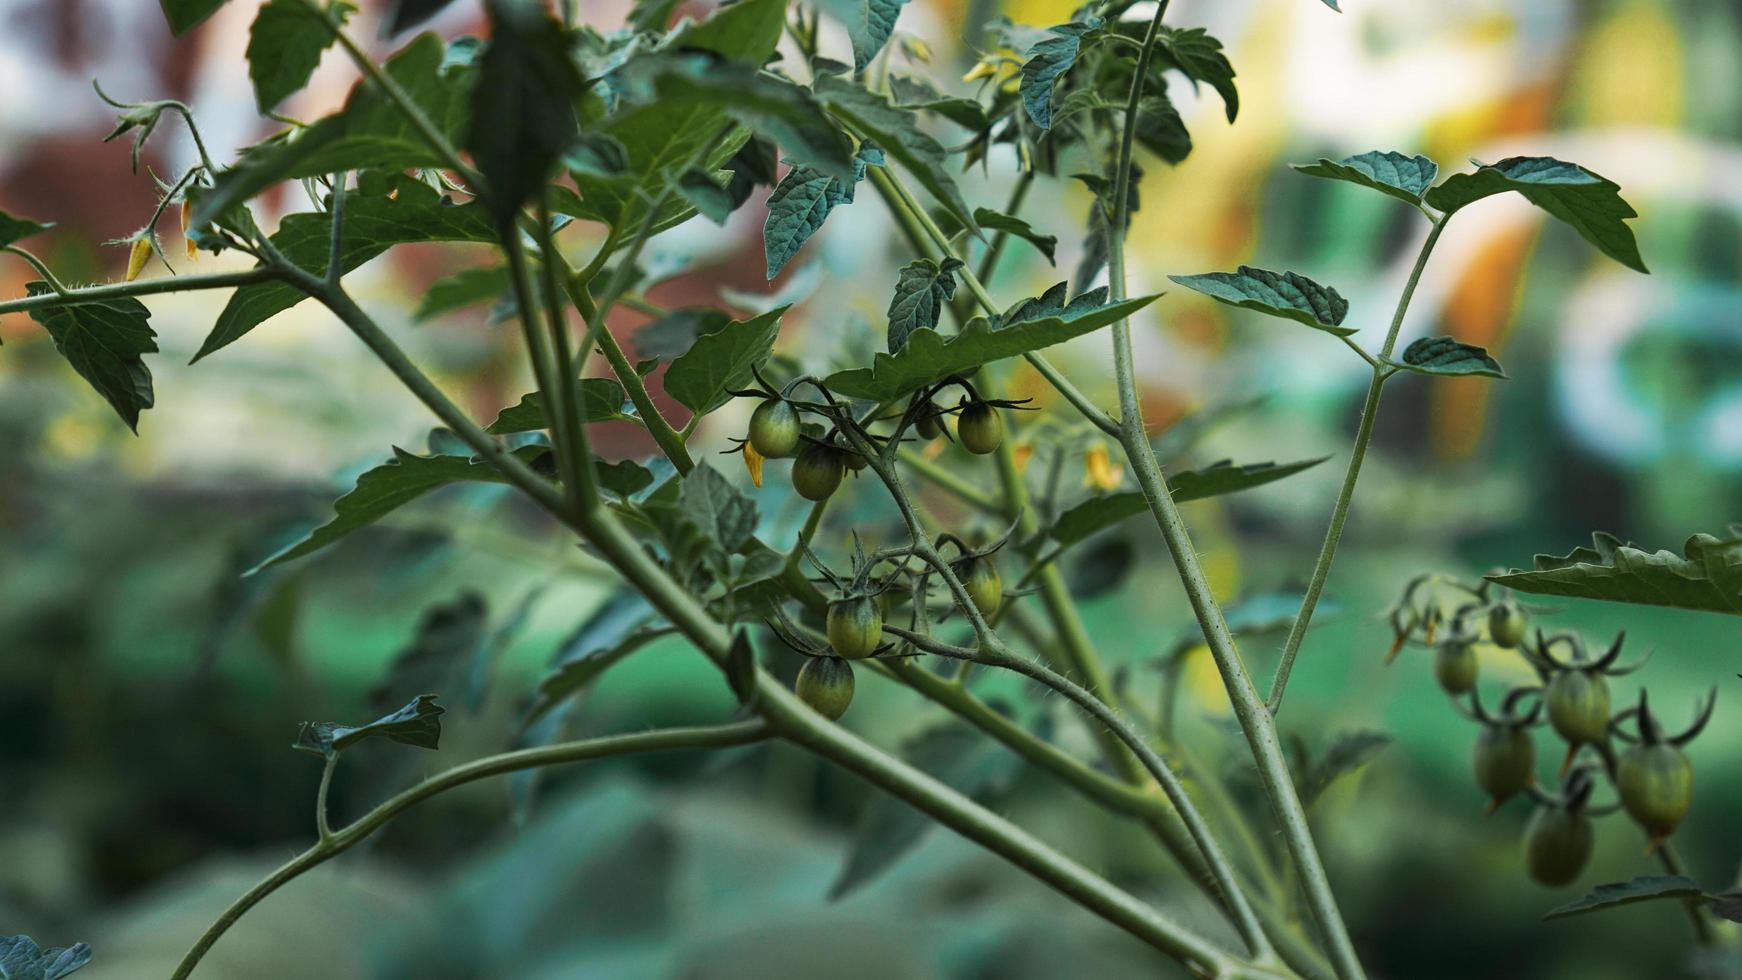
1254, 718
1340, 512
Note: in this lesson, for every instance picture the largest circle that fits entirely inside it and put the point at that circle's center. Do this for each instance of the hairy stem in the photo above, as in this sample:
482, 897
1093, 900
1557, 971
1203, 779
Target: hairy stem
141, 287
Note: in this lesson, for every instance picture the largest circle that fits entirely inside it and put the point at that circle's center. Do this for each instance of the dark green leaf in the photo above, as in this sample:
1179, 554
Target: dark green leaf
920, 295
418, 723
1707, 576
285, 45
869, 24
1727, 905
382, 211
1161, 131
625, 478
896, 130
369, 133
914, 93
583, 658
1199, 57
1102, 567
22, 959
652, 16
597, 154
1349, 752
741, 667
930, 357
1282, 294
410, 13
185, 14
1406, 178
704, 377
1043, 65
746, 32
601, 401
889, 828
801, 202
1445, 356
475, 679
449, 635
997, 221
103, 340
1100, 513
1641, 889
523, 117
675, 333
706, 196
1584, 200
720, 510
15, 229
462, 289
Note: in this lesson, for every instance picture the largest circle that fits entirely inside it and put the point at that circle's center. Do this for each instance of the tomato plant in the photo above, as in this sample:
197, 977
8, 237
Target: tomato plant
553, 137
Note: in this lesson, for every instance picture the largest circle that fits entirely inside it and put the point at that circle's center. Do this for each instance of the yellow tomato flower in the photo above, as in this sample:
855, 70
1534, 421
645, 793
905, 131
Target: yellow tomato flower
1099, 470
753, 463
137, 258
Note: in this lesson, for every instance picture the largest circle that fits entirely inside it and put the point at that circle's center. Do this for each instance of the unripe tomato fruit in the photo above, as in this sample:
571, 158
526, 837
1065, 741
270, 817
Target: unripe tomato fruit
1506, 624
1557, 843
817, 471
980, 428
1505, 761
854, 462
1578, 706
985, 586
1656, 786
1455, 666
926, 427
774, 429
826, 684
855, 627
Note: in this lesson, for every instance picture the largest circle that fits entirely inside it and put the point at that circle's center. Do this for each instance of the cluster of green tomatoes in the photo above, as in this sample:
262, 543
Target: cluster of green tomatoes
1646, 765
823, 453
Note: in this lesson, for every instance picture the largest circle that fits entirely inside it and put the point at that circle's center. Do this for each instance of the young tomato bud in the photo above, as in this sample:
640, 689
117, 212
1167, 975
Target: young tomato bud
1578, 706
985, 586
1557, 843
855, 627
1455, 666
138, 256
817, 472
774, 429
826, 684
1656, 786
1505, 762
980, 428
1506, 624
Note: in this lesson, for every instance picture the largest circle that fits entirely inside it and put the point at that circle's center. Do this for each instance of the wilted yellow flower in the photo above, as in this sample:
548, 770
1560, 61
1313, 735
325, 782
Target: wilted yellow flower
137, 258
753, 463
1021, 454
1002, 65
915, 48
1099, 470
187, 210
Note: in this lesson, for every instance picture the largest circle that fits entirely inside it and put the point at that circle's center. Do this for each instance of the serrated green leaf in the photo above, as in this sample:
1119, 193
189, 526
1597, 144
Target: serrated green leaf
1099, 513
896, 130
930, 357
368, 133
410, 13
22, 959
1707, 576
704, 377
676, 332
720, 510
382, 211
601, 400
462, 289
285, 45
1590, 204
920, 295
183, 15
582, 659
13, 229
1284, 294
1348, 753
1161, 131
1404, 177
801, 202
1045, 63
869, 24
1447, 357
746, 32
998, 221
1641, 889
417, 724
523, 116
706, 195
450, 633
103, 340
1198, 56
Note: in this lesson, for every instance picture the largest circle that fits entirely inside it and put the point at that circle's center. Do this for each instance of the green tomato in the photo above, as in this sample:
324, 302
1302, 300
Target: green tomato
1656, 784
826, 684
980, 428
1557, 843
1578, 706
774, 429
817, 472
1455, 666
855, 462
1505, 761
855, 627
985, 586
1506, 624
927, 428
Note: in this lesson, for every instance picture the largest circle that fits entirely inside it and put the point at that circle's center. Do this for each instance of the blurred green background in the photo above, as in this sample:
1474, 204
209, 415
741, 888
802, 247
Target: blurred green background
148, 693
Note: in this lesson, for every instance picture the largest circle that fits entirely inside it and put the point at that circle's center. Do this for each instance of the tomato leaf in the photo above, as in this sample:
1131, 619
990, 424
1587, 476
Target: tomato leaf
1641, 889
1348, 753
929, 356
103, 340
601, 400
869, 24
1198, 56
410, 13
1590, 204
1406, 178
998, 221
184, 15
705, 376
1707, 576
583, 658
725, 516
462, 289
1047, 61
1445, 356
1284, 294
920, 295
14, 229
1099, 513
22, 959
523, 117
802, 201
417, 724
285, 45
896, 131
